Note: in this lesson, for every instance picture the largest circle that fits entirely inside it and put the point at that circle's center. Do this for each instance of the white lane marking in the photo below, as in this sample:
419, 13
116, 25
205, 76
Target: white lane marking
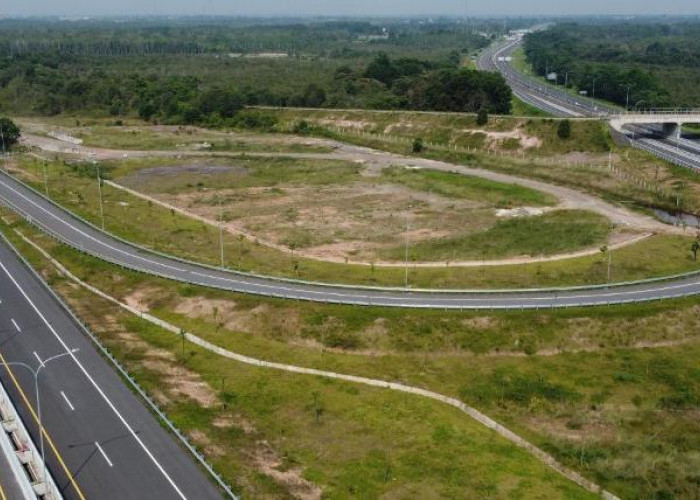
379, 299
86, 235
41, 363
109, 462
16, 325
70, 405
94, 384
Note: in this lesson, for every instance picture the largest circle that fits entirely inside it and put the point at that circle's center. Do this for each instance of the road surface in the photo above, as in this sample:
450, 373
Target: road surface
562, 104
102, 441
89, 239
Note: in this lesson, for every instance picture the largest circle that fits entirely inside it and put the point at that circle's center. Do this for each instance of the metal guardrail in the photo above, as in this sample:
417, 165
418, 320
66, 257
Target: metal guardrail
280, 279
201, 459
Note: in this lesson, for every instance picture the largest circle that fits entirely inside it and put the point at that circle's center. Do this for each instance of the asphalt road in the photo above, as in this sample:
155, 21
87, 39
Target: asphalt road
562, 104
103, 442
66, 227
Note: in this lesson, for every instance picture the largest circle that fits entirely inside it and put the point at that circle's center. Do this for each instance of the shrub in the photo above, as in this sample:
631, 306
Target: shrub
564, 130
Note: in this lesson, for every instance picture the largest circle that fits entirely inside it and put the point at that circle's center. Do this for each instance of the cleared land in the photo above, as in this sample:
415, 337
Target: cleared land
144, 222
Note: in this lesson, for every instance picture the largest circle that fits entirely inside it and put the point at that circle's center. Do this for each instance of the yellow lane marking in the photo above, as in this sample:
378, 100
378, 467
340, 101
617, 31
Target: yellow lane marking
2, 493
43, 430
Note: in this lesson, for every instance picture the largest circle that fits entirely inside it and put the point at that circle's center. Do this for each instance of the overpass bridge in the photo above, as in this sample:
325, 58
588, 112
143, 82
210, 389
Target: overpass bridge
671, 121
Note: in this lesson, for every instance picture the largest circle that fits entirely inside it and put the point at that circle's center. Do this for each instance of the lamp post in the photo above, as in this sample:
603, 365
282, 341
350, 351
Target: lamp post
99, 191
407, 243
627, 101
36, 372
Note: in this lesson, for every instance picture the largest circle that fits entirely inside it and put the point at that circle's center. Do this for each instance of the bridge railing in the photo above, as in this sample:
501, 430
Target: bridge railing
659, 111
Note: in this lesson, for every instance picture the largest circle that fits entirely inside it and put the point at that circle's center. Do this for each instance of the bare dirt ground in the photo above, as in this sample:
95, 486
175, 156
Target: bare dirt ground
333, 222
322, 216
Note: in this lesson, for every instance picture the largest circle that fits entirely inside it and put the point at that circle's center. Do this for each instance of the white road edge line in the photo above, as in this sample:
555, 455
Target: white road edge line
94, 384
109, 462
70, 405
16, 325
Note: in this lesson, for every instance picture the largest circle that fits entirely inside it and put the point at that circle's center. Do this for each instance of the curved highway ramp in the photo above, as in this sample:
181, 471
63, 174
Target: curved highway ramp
81, 235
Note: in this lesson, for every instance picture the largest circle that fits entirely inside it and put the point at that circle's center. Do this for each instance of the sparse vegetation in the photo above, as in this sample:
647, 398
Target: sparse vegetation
585, 407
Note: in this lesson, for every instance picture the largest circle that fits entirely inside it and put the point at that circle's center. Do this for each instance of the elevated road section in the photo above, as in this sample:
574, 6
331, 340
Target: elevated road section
671, 121
639, 129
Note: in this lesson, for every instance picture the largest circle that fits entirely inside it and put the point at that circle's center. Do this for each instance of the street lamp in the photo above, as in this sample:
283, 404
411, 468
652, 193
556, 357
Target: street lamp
627, 102
407, 242
36, 372
99, 190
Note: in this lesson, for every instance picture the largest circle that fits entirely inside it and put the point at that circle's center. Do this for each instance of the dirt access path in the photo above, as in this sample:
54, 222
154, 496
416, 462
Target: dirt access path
570, 199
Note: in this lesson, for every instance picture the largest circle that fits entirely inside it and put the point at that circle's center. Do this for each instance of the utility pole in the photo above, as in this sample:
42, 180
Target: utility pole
99, 190
46, 178
221, 232
407, 243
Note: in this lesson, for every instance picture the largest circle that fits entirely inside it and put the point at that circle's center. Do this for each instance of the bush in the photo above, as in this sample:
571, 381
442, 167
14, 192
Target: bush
9, 134
417, 146
564, 130
482, 118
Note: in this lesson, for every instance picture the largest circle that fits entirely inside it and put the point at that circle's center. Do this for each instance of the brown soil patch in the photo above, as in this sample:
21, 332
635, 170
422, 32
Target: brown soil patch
227, 315
139, 299
480, 323
267, 460
183, 382
594, 429
496, 139
210, 449
351, 221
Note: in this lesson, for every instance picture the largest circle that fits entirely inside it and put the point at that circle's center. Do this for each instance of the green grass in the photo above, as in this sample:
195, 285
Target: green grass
139, 136
243, 173
351, 440
160, 229
521, 108
452, 185
623, 417
552, 233
459, 129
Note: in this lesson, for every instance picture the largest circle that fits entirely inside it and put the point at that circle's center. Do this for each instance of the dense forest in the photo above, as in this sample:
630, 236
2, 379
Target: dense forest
657, 62
204, 71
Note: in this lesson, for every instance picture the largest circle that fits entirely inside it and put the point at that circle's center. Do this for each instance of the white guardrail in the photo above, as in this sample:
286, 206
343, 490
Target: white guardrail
279, 279
25, 460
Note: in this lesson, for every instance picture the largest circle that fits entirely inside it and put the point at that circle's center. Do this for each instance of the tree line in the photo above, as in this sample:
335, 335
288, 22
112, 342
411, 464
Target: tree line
622, 62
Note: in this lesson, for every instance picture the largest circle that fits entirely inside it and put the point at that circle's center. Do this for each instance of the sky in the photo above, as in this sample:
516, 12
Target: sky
344, 7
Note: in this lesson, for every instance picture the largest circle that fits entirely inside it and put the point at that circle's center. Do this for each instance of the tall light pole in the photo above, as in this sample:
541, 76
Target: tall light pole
99, 191
627, 102
407, 243
36, 372
221, 232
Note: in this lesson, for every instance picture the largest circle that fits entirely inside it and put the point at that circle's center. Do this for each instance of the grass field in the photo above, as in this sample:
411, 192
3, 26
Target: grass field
137, 136
554, 233
280, 435
536, 136
461, 186
161, 229
622, 414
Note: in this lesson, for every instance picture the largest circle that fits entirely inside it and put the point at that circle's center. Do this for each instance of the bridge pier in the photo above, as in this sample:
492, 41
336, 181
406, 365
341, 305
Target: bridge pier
672, 130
